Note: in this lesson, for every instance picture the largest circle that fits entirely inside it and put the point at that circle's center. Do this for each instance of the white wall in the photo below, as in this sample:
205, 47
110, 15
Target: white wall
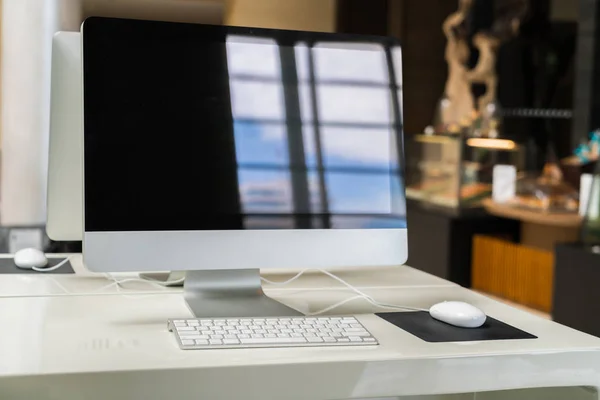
198, 11
310, 15
27, 29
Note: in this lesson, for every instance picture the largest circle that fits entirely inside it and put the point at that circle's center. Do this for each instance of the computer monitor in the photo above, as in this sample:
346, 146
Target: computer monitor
222, 150
65, 158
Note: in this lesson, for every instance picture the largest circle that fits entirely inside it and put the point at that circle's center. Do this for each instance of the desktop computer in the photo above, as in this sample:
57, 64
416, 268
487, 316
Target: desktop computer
222, 150
64, 221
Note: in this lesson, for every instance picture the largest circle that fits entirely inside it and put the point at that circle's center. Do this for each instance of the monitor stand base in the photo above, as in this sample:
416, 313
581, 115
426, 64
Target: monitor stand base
230, 294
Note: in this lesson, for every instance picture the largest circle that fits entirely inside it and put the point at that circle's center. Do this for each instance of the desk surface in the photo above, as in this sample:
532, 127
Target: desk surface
118, 346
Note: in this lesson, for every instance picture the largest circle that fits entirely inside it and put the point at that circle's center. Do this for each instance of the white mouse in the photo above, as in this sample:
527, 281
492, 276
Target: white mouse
30, 258
458, 313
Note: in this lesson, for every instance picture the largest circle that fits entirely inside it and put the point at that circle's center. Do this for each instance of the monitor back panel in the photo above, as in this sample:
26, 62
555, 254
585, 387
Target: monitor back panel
65, 168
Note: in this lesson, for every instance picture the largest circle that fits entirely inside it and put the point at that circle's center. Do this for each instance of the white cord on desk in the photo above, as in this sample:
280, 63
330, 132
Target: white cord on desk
116, 282
54, 268
361, 294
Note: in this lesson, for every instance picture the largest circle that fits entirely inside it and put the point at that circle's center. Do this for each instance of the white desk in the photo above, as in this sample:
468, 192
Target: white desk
107, 346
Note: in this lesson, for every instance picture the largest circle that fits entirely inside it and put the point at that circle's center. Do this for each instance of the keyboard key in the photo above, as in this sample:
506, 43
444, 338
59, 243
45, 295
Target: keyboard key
329, 340
270, 341
361, 329
349, 334
231, 341
369, 339
189, 337
343, 340
185, 328
270, 336
216, 336
188, 342
206, 332
314, 339
355, 339
216, 341
200, 342
230, 337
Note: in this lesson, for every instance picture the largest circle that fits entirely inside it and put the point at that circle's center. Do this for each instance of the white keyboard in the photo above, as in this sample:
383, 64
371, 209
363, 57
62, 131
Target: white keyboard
269, 332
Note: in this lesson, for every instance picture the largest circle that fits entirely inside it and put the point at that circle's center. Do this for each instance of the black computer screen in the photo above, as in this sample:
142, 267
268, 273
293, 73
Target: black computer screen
196, 127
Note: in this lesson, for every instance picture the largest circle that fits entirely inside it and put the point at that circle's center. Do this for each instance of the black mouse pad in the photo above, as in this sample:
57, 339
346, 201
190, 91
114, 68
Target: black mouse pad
7, 266
423, 326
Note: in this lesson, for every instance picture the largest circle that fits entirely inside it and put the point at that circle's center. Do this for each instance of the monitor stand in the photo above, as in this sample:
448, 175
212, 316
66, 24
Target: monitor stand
230, 294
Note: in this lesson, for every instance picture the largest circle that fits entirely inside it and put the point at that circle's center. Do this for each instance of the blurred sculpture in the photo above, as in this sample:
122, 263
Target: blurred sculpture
508, 16
457, 103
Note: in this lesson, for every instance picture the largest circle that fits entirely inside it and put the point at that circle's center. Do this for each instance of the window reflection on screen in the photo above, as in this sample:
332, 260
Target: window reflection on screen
316, 144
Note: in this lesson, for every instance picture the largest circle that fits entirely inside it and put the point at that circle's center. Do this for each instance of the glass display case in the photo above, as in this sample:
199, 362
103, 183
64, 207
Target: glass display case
454, 171
590, 229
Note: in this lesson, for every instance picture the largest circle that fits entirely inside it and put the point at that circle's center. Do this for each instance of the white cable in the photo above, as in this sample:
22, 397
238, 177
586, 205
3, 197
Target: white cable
360, 293
156, 284
292, 279
336, 305
57, 266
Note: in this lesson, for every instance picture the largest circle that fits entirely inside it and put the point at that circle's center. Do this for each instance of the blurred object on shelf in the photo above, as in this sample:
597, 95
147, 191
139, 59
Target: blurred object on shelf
451, 171
586, 152
457, 101
590, 232
491, 120
547, 193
